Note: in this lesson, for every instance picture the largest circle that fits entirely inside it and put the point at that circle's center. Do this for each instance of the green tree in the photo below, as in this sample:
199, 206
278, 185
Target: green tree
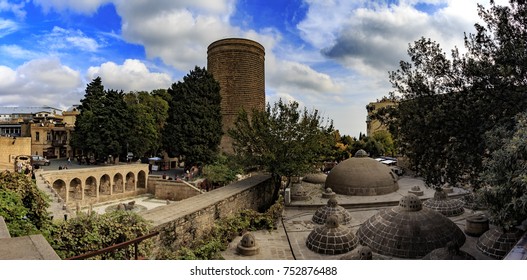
194, 124
23, 205
222, 171
14, 212
149, 112
283, 139
104, 122
447, 105
505, 175
384, 138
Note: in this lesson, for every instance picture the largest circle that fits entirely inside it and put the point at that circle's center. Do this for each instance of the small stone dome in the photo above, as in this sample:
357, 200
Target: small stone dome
409, 230
331, 239
362, 176
497, 243
298, 192
416, 190
247, 246
328, 193
361, 153
315, 178
450, 252
360, 253
332, 208
447, 206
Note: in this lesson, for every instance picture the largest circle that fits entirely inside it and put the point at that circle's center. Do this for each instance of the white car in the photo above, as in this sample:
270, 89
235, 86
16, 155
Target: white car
39, 161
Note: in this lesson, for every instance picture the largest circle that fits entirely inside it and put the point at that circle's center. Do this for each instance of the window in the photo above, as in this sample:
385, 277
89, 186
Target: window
37, 136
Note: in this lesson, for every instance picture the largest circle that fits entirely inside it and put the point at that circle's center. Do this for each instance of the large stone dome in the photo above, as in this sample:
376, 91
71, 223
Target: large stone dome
361, 175
409, 230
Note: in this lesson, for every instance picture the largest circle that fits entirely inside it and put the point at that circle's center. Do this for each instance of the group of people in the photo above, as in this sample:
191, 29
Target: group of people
24, 168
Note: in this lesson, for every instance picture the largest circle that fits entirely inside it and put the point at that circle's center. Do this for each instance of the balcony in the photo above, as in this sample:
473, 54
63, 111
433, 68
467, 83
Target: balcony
59, 143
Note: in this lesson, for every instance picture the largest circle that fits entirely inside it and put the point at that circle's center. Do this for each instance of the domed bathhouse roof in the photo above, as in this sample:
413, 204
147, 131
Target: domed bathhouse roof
332, 208
408, 231
447, 206
450, 252
331, 239
315, 178
361, 175
359, 253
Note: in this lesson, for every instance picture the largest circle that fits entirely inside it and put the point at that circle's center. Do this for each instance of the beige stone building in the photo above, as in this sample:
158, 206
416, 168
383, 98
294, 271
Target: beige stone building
48, 129
10, 148
373, 125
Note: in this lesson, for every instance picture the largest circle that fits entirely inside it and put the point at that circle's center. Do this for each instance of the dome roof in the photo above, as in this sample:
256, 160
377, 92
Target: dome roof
315, 178
450, 252
408, 230
332, 208
447, 206
332, 239
362, 176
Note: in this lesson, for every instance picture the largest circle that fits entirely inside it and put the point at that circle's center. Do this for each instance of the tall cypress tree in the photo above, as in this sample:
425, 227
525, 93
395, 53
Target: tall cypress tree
194, 124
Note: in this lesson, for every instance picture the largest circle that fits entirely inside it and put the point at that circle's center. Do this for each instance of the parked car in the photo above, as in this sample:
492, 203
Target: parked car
39, 161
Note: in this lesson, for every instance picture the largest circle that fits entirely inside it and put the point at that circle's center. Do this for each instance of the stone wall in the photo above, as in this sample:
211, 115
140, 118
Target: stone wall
10, 148
170, 189
190, 220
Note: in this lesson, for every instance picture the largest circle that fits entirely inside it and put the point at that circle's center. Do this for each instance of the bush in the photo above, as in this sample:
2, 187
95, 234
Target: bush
30, 203
87, 233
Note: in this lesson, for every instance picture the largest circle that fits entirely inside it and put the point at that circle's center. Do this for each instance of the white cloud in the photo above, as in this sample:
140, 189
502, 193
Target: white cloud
132, 75
7, 27
38, 82
66, 39
373, 38
15, 51
78, 6
17, 9
178, 32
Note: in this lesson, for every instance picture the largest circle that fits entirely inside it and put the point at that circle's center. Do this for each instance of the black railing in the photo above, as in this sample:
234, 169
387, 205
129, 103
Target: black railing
115, 247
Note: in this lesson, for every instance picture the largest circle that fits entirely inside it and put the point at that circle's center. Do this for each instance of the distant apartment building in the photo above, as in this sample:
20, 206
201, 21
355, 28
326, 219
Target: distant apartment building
373, 125
49, 128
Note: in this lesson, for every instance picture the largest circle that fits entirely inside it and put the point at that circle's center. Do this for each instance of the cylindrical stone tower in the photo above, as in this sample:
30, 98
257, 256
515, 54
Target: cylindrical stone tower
239, 66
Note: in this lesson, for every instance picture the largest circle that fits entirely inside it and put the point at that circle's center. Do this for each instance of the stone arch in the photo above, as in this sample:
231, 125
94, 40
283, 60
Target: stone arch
118, 186
90, 189
60, 188
75, 190
130, 182
141, 179
105, 185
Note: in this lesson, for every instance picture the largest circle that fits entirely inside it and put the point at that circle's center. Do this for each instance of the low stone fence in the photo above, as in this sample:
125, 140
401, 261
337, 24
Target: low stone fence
170, 189
191, 219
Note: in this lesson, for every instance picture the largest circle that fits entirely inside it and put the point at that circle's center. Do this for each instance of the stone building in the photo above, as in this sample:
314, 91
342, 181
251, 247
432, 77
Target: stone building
48, 128
373, 125
10, 148
239, 66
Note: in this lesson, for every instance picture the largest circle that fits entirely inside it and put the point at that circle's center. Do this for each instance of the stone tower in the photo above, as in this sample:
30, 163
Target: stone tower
238, 65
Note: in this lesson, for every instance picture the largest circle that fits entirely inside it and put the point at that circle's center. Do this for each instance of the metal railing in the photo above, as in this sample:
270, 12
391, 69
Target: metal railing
115, 247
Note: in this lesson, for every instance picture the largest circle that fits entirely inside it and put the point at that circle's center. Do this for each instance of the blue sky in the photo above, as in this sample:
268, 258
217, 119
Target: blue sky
330, 55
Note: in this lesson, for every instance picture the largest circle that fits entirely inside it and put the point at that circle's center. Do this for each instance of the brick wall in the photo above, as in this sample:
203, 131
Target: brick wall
239, 67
